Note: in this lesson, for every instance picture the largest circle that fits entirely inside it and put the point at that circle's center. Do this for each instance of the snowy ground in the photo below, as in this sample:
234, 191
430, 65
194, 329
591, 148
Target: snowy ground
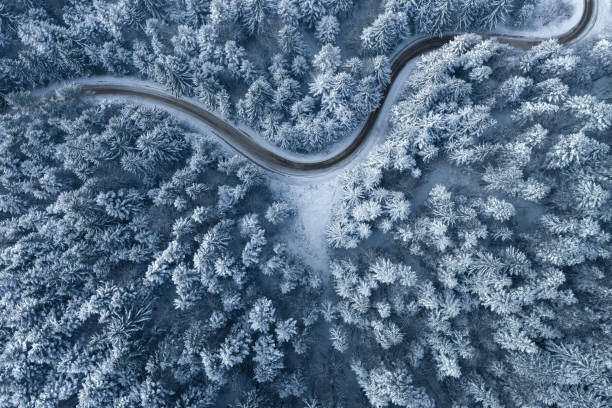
603, 21
557, 26
543, 24
305, 235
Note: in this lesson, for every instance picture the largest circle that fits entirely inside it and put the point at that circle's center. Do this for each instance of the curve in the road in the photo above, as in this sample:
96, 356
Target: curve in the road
275, 162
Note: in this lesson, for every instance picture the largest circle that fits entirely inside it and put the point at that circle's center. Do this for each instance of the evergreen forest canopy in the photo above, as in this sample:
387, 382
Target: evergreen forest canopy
140, 263
475, 241
301, 73
143, 265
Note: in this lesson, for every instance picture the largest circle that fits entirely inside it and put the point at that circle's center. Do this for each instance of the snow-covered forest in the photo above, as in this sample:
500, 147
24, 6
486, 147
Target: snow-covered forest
475, 241
466, 254
302, 73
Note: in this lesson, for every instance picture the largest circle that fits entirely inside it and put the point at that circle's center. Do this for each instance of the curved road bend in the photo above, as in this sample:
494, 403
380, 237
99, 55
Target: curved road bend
276, 163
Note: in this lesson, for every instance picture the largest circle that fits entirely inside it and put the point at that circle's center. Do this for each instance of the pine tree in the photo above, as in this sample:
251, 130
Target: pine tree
255, 103
268, 359
261, 316
327, 29
497, 13
499, 210
339, 339
235, 347
254, 14
311, 11
328, 59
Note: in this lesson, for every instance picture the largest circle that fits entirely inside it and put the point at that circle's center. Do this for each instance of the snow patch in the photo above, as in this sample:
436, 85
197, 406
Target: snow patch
545, 25
603, 19
305, 235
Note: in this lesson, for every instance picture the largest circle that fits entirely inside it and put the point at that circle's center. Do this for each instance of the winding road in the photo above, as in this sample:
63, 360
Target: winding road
273, 159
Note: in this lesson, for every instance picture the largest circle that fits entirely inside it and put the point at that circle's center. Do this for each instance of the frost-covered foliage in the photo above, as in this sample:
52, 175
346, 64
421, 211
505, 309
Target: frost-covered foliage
138, 267
274, 66
474, 243
141, 265
289, 69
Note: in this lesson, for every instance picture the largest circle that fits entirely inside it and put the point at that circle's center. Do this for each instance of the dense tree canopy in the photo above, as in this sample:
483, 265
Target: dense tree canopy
282, 68
143, 264
140, 266
475, 240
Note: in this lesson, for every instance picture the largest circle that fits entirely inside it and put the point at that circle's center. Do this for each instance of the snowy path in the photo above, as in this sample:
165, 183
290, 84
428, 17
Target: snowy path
289, 164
